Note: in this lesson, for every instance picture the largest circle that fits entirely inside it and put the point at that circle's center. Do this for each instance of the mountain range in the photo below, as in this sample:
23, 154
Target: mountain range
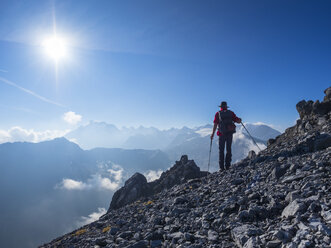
58, 182
101, 134
174, 142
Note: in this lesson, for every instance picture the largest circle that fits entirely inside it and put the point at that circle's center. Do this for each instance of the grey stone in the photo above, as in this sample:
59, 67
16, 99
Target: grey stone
324, 229
274, 243
245, 216
242, 233
238, 181
252, 242
292, 178
326, 216
140, 244
156, 243
180, 200
113, 230
305, 244
177, 235
101, 241
278, 172
291, 196
125, 235
271, 141
254, 196
322, 142
283, 235
293, 209
188, 236
327, 240
212, 235
251, 155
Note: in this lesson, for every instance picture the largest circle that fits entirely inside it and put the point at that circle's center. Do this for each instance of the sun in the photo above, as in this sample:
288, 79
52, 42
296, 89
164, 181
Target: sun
55, 47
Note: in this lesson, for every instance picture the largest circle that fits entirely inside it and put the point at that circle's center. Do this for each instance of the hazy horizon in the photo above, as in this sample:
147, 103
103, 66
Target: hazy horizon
19, 134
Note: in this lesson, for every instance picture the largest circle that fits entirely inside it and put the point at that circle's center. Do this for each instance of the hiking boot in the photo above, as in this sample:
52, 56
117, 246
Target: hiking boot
227, 167
222, 169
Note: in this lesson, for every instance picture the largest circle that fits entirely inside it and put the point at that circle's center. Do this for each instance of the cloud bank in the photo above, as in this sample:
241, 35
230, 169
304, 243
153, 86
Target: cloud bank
73, 185
239, 137
203, 132
152, 175
72, 118
91, 217
18, 134
110, 181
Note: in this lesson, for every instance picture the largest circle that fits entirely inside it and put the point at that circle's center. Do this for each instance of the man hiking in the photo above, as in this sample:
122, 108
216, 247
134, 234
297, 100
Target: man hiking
224, 120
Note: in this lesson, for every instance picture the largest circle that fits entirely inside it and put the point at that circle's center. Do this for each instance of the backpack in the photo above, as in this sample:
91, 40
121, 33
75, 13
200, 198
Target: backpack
226, 124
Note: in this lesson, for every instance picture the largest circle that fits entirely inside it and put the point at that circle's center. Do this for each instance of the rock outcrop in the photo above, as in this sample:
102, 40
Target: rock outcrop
137, 187
307, 109
134, 188
277, 198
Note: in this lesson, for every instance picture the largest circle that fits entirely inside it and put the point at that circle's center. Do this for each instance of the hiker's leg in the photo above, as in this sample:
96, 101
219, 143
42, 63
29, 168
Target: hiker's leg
221, 152
228, 157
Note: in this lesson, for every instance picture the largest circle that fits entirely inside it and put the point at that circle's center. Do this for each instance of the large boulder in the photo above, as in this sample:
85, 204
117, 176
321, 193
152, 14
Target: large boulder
306, 109
327, 96
293, 209
137, 186
134, 188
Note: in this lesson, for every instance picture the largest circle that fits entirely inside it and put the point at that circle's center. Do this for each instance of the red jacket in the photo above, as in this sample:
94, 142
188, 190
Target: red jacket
217, 119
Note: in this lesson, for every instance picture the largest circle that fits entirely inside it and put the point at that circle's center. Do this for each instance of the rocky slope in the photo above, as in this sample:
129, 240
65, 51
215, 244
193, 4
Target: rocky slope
278, 198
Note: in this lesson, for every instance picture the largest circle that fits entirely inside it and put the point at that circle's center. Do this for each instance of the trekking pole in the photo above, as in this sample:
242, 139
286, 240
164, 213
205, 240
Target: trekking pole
251, 136
211, 142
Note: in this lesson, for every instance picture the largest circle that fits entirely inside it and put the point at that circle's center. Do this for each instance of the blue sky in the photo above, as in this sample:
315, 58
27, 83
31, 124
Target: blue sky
162, 63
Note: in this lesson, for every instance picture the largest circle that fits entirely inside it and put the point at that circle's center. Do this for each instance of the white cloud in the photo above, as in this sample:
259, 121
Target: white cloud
239, 137
91, 217
107, 184
16, 134
116, 172
71, 184
97, 181
72, 118
100, 182
204, 132
152, 175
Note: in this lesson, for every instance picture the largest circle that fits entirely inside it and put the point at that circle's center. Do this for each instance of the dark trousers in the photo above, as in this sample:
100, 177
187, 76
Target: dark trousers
225, 139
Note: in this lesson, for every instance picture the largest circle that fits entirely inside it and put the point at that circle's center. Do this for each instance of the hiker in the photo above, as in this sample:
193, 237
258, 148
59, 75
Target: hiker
225, 119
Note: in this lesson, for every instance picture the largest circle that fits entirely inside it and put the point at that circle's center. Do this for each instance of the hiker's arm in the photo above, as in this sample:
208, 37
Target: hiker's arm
235, 118
214, 129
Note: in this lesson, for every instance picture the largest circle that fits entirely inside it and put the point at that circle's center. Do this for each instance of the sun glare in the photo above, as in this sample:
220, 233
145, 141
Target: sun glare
55, 47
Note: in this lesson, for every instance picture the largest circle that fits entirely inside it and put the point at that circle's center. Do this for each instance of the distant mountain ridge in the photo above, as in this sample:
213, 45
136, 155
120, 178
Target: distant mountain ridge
101, 134
174, 142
